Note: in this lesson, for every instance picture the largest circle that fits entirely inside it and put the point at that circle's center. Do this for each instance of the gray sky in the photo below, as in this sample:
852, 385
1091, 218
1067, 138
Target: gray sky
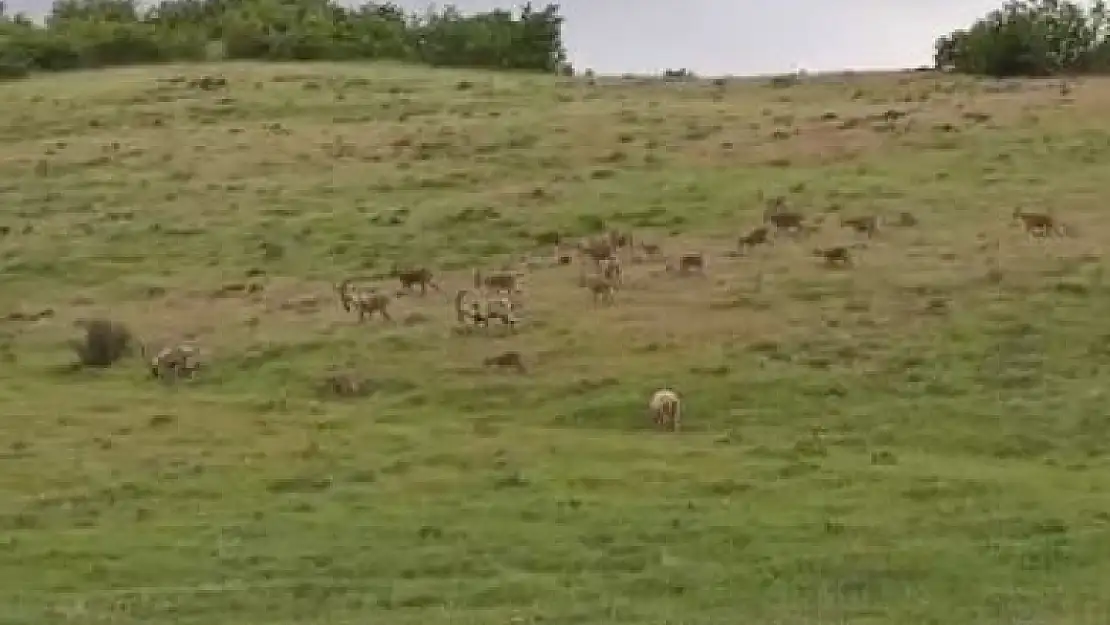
752, 37
739, 36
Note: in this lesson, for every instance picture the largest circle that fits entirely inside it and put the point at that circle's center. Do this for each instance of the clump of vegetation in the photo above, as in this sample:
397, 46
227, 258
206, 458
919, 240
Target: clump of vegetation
105, 343
1031, 38
100, 33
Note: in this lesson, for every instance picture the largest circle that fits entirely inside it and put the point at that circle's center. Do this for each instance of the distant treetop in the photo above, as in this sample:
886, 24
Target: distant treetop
97, 33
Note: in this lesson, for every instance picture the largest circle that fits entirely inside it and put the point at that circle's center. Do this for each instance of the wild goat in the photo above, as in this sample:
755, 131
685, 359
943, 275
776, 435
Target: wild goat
666, 409
596, 249
600, 287
481, 311
1038, 224
610, 269
410, 278
364, 303
178, 361
867, 224
502, 281
757, 236
506, 360
838, 255
688, 262
783, 220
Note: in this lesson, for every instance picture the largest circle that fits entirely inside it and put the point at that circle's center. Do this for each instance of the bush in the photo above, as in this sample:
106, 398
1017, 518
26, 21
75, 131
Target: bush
105, 343
14, 66
98, 33
1030, 38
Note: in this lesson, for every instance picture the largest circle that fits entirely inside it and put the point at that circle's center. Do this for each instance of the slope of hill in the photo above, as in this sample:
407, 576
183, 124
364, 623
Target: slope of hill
918, 437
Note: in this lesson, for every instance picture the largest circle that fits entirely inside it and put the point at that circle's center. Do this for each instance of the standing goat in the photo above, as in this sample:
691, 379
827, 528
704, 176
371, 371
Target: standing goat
666, 409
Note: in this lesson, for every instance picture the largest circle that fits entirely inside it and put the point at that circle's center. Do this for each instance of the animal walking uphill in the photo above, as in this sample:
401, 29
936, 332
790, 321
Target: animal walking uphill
174, 362
785, 221
481, 310
1039, 224
755, 237
688, 263
413, 277
507, 282
864, 224
366, 304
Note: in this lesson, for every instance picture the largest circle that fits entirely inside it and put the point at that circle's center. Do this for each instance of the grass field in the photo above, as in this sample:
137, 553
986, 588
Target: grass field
920, 438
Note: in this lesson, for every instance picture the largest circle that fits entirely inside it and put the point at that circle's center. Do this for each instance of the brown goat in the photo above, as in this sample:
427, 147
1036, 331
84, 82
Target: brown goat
866, 224
506, 360
501, 281
666, 409
834, 256
757, 236
596, 249
688, 262
364, 303
600, 287
180, 360
1038, 224
610, 269
410, 278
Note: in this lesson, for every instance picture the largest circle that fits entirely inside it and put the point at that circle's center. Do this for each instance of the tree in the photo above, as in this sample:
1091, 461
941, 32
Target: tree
94, 33
1030, 38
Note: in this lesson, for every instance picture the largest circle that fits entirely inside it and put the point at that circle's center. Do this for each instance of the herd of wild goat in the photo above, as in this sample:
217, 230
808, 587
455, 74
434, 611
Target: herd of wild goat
495, 296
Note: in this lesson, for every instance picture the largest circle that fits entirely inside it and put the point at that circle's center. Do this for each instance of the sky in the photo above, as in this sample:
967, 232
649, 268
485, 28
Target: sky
738, 37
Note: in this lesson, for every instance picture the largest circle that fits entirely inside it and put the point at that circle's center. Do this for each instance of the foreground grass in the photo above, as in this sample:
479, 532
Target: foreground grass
920, 439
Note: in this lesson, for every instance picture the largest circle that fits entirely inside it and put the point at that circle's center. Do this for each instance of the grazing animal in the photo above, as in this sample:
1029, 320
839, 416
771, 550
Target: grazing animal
481, 311
180, 360
906, 219
364, 303
596, 249
651, 250
666, 409
461, 312
688, 262
757, 236
600, 287
503, 309
783, 220
610, 269
1038, 224
866, 224
410, 278
501, 281
838, 255
506, 360
619, 240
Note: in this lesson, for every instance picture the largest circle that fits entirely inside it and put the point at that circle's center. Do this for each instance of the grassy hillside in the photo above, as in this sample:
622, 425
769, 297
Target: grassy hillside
920, 438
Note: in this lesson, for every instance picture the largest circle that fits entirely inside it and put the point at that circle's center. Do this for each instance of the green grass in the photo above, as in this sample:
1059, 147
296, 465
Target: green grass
918, 439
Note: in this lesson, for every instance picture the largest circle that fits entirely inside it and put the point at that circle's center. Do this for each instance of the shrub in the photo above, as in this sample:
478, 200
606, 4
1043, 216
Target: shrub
105, 343
97, 33
1030, 38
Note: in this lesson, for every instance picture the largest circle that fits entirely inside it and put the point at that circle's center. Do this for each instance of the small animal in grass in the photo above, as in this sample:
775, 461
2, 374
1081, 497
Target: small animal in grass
601, 288
414, 277
499, 281
610, 269
690, 262
506, 360
665, 408
1038, 224
866, 224
365, 303
175, 361
755, 237
838, 256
